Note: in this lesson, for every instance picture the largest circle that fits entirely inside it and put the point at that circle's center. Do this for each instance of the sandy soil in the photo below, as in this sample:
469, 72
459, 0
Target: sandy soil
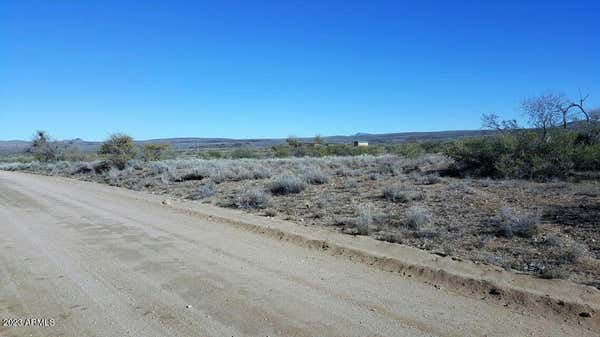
102, 261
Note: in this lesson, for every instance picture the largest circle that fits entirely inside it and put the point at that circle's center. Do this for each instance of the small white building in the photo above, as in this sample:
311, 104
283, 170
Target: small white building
360, 143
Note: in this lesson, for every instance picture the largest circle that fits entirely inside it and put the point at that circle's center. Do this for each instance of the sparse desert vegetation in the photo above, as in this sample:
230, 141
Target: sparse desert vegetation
545, 228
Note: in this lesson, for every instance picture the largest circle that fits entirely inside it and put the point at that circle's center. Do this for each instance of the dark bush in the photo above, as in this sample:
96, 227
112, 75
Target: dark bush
479, 156
524, 154
286, 185
101, 166
82, 168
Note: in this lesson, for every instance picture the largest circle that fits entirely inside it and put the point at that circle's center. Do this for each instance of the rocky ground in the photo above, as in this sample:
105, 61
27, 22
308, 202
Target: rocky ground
548, 229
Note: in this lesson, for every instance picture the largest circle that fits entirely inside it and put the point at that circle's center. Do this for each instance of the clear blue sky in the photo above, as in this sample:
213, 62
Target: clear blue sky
245, 69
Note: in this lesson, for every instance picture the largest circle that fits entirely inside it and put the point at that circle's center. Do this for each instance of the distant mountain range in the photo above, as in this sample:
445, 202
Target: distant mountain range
20, 146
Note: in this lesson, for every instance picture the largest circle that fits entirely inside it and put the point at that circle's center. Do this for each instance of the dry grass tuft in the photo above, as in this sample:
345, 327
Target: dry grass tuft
400, 193
510, 222
253, 198
286, 184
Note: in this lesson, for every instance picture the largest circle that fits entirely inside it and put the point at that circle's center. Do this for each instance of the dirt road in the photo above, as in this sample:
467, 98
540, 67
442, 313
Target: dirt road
98, 261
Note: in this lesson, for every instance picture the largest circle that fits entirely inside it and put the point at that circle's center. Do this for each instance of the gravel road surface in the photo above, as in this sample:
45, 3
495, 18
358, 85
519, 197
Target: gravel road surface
82, 259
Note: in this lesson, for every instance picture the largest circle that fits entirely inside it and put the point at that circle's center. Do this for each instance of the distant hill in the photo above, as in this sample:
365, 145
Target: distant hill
13, 146
19, 146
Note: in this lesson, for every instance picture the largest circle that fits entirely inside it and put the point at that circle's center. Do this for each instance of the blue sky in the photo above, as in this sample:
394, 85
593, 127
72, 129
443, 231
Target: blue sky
244, 69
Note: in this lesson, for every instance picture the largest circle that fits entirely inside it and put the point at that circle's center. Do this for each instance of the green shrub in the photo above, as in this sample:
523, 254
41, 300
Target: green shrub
244, 152
479, 156
587, 158
524, 154
317, 150
411, 150
154, 152
117, 150
282, 151
214, 154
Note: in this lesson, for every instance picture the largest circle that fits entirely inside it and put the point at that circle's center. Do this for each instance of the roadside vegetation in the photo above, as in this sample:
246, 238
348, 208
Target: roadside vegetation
522, 199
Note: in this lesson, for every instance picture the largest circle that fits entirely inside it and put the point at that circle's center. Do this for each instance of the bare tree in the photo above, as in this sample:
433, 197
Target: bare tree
579, 106
562, 104
559, 102
543, 112
492, 121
